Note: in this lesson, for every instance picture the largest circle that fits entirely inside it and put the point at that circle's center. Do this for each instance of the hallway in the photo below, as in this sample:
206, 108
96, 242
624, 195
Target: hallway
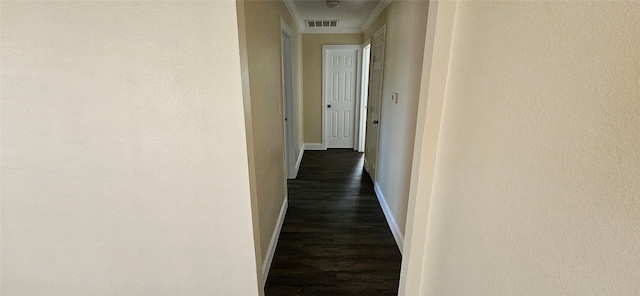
335, 239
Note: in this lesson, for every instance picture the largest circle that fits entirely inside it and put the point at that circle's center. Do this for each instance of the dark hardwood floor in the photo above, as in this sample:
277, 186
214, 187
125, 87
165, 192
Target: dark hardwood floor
335, 239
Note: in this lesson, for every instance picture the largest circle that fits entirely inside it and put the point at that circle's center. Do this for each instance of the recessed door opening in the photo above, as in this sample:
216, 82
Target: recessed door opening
287, 98
364, 98
374, 105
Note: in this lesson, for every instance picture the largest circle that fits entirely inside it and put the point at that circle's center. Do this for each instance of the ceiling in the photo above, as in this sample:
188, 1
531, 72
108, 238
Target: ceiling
352, 15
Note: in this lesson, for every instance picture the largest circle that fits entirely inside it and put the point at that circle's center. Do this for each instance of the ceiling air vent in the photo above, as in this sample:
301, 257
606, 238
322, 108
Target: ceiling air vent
322, 24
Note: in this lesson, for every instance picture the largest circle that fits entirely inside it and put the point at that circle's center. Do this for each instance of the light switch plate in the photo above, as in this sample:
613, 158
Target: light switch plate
394, 97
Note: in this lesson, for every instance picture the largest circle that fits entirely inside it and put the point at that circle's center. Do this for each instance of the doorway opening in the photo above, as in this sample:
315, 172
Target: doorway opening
364, 98
287, 98
374, 104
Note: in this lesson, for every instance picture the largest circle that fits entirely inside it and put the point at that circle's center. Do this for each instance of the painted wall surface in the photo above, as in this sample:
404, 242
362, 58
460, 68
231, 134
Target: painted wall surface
405, 35
124, 167
312, 52
435, 67
536, 189
380, 20
248, 121
263, 41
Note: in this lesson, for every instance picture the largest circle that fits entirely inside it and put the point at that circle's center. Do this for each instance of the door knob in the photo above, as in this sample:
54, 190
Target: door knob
329, 106
375, 122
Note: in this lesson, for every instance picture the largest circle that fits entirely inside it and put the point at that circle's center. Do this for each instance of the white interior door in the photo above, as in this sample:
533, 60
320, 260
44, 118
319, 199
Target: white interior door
287, 95
340, 90
364, 97
375, 97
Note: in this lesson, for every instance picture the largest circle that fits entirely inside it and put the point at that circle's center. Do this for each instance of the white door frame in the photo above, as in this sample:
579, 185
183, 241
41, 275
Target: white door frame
325, 93
361, 113
287, 100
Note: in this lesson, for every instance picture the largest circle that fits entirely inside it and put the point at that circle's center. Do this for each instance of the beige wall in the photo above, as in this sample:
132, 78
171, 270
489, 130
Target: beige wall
435, 67
380, 20
312, 51
124, 167
536, 184
263, 43
405, 36
248, 121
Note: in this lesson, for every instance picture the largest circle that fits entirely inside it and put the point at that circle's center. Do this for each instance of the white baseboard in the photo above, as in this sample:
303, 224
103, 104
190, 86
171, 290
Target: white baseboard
266, 265
395, 230
298, 161
313, 146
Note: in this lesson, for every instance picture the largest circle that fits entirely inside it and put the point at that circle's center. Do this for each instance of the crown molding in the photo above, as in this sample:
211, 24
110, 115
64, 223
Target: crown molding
294, 13
291, 6
375, 13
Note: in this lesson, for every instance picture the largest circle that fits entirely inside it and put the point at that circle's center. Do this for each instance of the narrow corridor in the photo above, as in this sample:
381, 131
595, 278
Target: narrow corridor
335, 239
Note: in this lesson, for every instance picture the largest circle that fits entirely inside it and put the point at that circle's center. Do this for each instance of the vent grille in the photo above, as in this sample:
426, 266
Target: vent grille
322, 23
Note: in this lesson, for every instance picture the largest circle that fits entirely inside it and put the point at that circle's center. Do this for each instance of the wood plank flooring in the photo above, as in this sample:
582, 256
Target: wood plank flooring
335, 239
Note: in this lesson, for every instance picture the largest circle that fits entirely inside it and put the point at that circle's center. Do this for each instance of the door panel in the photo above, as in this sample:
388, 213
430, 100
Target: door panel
375, 97
334, 124
341, 73
363, 99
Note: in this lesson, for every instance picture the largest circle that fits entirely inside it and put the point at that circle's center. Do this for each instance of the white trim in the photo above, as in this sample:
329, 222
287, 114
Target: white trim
374, 14
298, 161
294, 13
325, 49
313, 146
395, 230
266, 265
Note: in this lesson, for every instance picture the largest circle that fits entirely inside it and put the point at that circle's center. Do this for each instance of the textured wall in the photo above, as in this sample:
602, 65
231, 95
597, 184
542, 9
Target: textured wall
536, 189
263, 35
312, 52
124, 167
368, 32
405, 34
